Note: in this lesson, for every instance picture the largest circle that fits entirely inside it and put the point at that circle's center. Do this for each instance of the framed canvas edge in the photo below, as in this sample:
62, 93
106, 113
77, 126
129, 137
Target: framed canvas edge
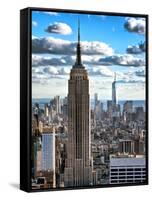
28, 101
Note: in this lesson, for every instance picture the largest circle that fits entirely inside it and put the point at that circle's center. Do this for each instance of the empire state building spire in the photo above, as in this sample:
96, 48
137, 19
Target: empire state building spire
78, 63
114, 91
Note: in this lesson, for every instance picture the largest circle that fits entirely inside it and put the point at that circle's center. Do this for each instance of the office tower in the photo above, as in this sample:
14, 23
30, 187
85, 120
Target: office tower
55, 107
101, 107
35, 119
35, 139
52, 103
114, 92
139, 146
128, 111
102, 111
35, 125
126, 146
109, 108
128, 107
97, 110
60, 154
65, 108
48, 154
92, 118
46, 110
57, 104
127, 169
109, 105
95, 99
40, 127
78, 163
115, 107
52, 113
36, 108
38, 162
48, 149
140, 115
36, 156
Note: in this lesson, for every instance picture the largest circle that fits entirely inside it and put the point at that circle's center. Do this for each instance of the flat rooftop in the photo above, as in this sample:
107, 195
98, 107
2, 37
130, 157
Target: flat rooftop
127, 161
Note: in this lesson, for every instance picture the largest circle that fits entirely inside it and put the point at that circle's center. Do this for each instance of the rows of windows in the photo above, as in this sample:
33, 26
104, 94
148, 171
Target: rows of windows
127, 169
127, 173
128, 177
126, 181
79, 77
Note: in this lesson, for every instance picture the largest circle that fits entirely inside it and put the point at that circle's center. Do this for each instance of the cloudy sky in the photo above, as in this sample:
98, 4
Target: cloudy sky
109, 44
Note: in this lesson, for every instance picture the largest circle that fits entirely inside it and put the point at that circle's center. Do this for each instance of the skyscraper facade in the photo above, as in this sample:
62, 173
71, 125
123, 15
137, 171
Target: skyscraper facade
48, 155
95, 98
48, 151
115, 106
78, 166
127, 170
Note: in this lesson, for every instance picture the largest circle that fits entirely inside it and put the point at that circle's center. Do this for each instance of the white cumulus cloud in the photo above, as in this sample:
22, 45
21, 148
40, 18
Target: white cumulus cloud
56, 70
101, 70
59, 28
136, 49
51, 13
123, 60
65, 47
135, 25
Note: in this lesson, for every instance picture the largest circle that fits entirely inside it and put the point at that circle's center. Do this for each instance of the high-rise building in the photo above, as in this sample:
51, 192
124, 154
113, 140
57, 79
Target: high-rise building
65, 108
36, 156
48, 154
38, 162
35, 120
127, 170
128, 107
101, 107
48, 149
140, 115
109, 108
129, 146
52, 113
101, 111
126, 146
60, 154
115, 107
97, 110
127, 111
95, 99
46, 110
139, 146
78, 169
57, 104
114, 92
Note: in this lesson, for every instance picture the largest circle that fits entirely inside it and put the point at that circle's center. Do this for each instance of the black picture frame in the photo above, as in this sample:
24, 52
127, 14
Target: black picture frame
26, 96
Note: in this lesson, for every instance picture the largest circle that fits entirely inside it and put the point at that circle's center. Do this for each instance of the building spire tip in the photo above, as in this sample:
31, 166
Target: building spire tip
78, 30
115, 76
78, 62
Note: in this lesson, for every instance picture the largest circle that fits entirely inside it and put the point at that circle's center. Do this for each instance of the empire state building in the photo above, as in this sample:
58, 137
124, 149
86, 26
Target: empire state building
78, 165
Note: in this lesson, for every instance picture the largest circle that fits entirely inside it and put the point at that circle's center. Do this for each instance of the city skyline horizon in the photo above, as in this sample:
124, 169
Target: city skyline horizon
92, 99
119, 87
136, 103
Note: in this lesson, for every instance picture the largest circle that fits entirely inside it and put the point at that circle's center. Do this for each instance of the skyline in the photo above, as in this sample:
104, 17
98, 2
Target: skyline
54, 40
